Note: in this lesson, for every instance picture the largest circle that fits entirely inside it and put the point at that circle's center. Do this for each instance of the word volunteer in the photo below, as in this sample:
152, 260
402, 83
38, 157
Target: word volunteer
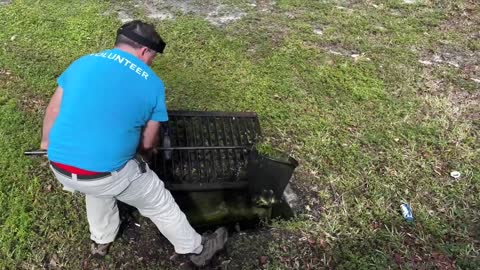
119, 59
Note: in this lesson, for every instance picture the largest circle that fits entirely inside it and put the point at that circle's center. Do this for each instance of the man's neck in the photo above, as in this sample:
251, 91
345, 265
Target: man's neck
127, 49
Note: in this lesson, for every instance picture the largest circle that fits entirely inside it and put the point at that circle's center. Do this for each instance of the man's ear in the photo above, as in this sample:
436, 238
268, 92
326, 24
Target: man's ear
143, 50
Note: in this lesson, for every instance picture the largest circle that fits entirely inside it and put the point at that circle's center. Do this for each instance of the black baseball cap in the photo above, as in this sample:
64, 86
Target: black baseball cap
127, 30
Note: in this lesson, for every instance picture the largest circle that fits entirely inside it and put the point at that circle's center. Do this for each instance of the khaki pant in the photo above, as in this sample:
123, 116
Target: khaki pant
146, 192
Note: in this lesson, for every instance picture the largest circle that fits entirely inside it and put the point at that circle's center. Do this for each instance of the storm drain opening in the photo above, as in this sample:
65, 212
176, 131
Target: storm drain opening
208, 160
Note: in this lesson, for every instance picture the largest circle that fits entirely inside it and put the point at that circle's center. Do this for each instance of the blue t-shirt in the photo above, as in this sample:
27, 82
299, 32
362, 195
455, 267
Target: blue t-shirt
107, 98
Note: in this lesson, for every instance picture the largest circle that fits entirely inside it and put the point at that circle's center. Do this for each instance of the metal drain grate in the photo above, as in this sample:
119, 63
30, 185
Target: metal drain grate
206, 147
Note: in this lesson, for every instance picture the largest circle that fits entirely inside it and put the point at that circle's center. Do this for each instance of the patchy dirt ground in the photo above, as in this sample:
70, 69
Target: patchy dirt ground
290, 61
452, 72
214, 11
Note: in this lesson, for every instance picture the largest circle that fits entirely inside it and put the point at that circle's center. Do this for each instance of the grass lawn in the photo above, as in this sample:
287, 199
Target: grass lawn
378, 100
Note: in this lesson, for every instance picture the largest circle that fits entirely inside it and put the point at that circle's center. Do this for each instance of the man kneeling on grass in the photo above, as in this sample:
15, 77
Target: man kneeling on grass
104, 105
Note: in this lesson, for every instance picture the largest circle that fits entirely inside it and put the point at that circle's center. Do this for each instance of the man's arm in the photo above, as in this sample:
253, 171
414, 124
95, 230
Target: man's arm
50, 115
149, 138
150, 135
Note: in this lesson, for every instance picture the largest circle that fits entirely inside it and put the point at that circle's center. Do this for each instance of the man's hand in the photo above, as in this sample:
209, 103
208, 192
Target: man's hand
44, 144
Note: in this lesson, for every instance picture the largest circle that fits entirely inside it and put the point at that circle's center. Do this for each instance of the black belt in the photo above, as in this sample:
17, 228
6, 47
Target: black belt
79, 176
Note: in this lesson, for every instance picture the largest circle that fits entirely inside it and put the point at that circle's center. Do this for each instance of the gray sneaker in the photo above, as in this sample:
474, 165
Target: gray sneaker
211, 245
99, 250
